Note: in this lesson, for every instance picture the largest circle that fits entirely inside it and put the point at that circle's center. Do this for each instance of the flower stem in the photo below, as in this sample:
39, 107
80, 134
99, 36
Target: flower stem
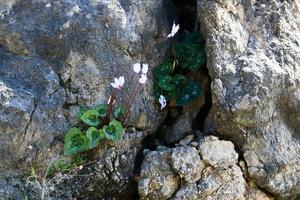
131, 102
110, 104
124, 101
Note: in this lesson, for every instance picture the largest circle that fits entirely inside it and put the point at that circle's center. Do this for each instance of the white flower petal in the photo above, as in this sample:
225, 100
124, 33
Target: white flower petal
174, 30
114, 85
143, 79
121, 81
163, 102
145, 68
137, 67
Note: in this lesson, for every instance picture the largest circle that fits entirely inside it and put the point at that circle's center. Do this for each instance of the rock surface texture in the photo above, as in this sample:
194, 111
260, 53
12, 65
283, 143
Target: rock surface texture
109, 176
253, 56
180, 173
58, 55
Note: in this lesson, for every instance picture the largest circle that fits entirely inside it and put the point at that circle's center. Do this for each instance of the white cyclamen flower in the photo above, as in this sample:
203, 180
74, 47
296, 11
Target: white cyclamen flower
163, 102
119, 82
137, 67
145, 68
174, 30
143, 79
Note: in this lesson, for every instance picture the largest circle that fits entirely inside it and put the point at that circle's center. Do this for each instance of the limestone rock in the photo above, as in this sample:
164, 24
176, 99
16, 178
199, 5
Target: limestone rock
217, 153
199, 180
157, 179
254, 62
187, 163
59, 55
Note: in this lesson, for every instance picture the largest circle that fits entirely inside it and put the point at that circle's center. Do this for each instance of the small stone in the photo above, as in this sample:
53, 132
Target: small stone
186, 140
194, 144
218, 153
187, 163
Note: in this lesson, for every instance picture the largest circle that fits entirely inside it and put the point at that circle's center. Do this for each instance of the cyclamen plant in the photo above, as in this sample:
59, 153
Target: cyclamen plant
104, 121
170, 84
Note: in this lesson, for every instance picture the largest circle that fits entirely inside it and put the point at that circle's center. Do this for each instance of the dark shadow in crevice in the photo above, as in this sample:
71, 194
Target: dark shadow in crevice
199, 121
187, 14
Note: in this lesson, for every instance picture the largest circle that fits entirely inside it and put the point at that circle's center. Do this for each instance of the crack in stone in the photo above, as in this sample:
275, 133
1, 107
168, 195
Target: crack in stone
29, 123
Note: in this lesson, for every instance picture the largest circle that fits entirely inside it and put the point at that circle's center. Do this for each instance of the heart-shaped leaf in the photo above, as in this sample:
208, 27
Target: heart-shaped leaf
102, 109
166, 83
189, 93
94, 136
179, 80
75, 142
114, 131
162, 70
91, 117
81, 112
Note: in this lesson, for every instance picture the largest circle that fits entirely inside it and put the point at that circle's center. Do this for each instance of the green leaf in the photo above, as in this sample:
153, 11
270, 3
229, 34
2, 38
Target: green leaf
166, 83
75, 142
81, 112
114, 131
119, 112
162, 70
198, 60
94, 136
179, 80
189, 55
91, 117
189, 93
102, 109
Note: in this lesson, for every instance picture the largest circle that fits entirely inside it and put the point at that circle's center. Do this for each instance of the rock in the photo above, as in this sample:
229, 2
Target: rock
253, 60
253, 193
109, 175
217, 153
59, 55
186, 162
187, 140
11, 188
181, 128
217, 184
157, 179
183, 125
199, 180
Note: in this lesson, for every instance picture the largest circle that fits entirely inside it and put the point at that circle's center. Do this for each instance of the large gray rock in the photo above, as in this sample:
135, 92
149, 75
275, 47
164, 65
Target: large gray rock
253, 57
58, 55
217, 177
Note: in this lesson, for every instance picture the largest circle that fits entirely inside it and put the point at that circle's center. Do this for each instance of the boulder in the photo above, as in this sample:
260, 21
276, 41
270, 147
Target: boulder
57, 56
157, 180
217, 153
253, 60
180, 173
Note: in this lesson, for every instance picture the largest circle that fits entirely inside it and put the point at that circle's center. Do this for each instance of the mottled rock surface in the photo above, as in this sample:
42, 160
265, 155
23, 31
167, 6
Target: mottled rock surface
58, 55
253, 56
217, 153
199, 179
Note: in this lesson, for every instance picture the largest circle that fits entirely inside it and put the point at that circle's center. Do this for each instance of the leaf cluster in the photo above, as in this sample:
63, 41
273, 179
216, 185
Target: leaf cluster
188, 55
93, 129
